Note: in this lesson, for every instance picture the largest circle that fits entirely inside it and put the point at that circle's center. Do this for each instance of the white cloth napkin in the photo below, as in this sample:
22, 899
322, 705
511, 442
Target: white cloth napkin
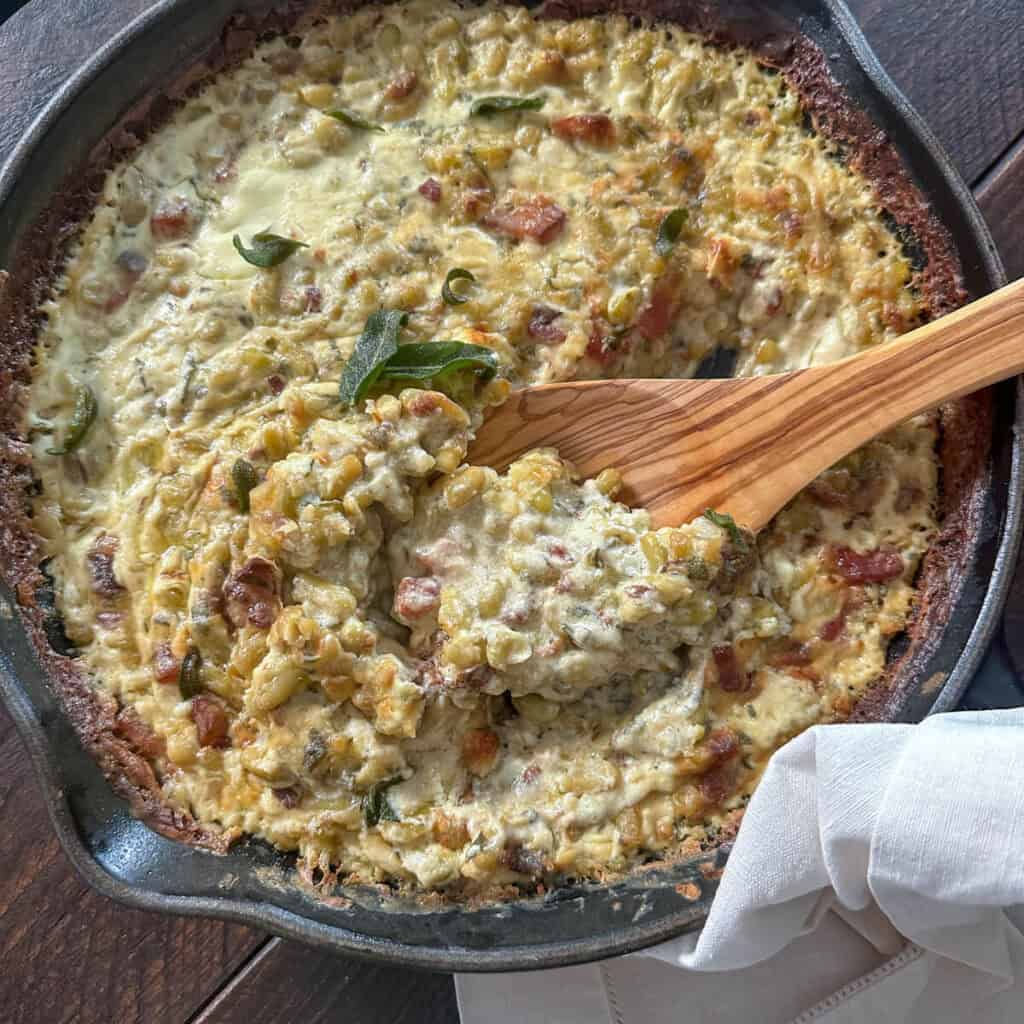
911, 833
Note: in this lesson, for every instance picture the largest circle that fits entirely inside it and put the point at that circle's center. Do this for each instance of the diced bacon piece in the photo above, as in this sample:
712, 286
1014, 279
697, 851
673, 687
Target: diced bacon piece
401, 86
417, 596
276, 383
539, 218
522, 860
597, 128
602, 345
250, 594
875, 566
722, 745
430, 190
718, 783
833, 629
437, 555
793, 655
211, 721
480, 750
731, 676
100, 561
656, 317
165, 665
172, 219
542, 325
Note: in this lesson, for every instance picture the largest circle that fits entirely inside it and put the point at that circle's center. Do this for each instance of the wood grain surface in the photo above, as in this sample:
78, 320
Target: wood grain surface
72, 956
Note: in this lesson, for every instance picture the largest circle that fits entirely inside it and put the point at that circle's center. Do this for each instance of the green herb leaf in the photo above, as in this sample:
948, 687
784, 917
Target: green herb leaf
376, 807
486, 106
668, 230
450, 296
378, 341
245, 478
726, 521
354, 120
267, 250
427, 360
190, 675
82, 418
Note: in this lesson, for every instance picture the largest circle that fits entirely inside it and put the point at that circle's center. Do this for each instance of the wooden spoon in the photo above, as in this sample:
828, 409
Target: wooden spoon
747, 445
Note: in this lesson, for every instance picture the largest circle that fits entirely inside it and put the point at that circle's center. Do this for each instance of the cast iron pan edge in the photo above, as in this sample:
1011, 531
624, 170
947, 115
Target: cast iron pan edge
105, 844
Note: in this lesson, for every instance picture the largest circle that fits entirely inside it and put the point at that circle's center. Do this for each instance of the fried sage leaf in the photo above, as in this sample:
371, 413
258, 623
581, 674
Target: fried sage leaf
190, 675
267, 250
82, 418
376, 807
354, 120
487, 106
450, 296
428, 360
726, 521
245, 478
378, 341
668, 230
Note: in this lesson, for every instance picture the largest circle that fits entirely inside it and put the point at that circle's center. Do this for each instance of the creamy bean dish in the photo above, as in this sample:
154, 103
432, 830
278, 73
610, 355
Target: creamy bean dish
257, 379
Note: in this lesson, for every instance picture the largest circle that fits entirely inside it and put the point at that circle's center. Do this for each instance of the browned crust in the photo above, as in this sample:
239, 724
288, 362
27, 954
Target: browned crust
119, 742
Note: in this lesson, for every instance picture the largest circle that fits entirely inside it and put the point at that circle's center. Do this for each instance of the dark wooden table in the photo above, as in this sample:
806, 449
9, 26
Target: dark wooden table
69, 955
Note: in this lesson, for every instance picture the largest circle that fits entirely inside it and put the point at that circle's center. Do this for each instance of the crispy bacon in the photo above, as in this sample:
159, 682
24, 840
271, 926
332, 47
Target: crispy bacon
250, 594
792, 655
480, 750
731, 676
165, 665
522, 860
597, 128
401, 86
657, 316
875, 566
417, 596
833, 629
431, 190
718, 783
539, 218
542, 325
601, 346
101, 566
211, 721
172, 219
722, 745
276, 383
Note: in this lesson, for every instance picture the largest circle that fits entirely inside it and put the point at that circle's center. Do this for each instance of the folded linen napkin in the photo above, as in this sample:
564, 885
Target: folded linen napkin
909, 832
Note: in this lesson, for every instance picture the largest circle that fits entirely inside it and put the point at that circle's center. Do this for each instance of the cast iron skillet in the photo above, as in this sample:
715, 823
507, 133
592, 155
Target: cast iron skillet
123, 859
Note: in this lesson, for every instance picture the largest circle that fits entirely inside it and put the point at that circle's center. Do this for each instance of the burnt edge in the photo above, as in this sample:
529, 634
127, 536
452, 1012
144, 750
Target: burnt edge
115, 737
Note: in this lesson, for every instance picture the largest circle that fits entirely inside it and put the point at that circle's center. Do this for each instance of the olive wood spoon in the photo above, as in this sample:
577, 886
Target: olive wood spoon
747, 445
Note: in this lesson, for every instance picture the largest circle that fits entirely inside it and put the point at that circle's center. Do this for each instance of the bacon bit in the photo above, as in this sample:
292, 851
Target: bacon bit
100, 561
792, 224
773, 301
417, 596
597, 128
721, 262
530, 774
165, 665
423, 403
171, 219
480, 750
875, 566
314, 298
792, 655
892, 317
722, 745
539, 218
439, 553
290, 796
250, 594
450, 832
658, 315
473, 202
522, 860
834, 628
431, 190
211, 721
542, 325
129, 726
601, 347
731, 676
276, 383
401, 86
718, 783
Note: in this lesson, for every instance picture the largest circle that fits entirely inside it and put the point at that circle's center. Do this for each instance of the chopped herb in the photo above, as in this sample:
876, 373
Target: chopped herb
82, 418
376, 807
668, 230
190, 675
726, 522
378, 341
450, 296
245, 478
268, 250
489, 105
427, 360
354, 120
